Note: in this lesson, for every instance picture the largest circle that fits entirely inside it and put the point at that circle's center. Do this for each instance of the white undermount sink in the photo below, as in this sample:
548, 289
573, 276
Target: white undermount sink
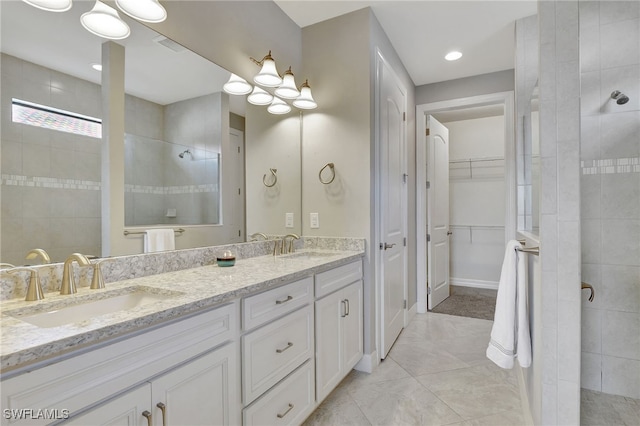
91, 308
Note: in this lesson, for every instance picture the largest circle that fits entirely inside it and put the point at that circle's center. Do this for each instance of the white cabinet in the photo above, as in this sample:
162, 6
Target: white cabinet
339, 336
200, 392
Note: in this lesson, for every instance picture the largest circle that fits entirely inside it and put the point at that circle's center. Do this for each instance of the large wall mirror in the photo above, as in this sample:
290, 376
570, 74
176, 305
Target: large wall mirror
194, 157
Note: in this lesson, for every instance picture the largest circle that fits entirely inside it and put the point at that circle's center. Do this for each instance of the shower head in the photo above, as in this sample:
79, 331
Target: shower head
186, 151
619, 97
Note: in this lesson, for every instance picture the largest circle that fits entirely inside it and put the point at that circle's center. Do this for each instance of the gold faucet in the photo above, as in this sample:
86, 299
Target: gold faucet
6, 266
68, 285
34, 253
284, 242
254, 236
34, 290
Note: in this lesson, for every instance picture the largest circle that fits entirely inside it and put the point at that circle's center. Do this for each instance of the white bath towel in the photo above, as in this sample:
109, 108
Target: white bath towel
510, 336
159, 240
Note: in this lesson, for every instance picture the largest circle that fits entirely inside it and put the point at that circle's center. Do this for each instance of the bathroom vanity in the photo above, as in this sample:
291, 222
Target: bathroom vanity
262, 342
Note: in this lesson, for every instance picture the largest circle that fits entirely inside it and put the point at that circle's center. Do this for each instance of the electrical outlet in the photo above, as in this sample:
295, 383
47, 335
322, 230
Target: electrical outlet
288, 221
314, 220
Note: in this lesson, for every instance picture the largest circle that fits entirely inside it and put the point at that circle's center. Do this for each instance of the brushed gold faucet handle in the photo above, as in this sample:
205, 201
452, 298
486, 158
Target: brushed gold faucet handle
34, 289
97, 280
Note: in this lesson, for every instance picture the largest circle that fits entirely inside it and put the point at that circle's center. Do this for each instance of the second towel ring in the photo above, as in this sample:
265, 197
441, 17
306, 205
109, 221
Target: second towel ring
275, 178
333, 174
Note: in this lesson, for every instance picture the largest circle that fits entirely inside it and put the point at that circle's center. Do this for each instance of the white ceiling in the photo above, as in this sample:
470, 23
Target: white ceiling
422, 32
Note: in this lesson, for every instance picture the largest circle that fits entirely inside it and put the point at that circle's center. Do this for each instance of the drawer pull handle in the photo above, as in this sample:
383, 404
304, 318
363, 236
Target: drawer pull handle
286, 412
163, 408
148, 416
344, 308
280, 302
285, 348
346, 301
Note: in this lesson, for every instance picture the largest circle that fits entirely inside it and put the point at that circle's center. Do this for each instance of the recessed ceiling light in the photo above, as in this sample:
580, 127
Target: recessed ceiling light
453, 56
97, 67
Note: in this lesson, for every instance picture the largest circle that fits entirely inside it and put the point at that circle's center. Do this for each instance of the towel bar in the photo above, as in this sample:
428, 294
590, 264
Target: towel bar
177, 231
531, 250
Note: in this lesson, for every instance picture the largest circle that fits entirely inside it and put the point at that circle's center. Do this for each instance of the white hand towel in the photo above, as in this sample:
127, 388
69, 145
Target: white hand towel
510, 336
159, 240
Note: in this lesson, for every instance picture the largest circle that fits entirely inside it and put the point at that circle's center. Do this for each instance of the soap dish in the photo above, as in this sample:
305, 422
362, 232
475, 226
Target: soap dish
227, 259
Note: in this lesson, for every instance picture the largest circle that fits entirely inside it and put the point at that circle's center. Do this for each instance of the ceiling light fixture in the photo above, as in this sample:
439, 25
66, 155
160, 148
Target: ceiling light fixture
237, 86
268, 75
305, 100
288, 89
453, 56
51, 5
105, 22
143, 10
259, 97
278, 106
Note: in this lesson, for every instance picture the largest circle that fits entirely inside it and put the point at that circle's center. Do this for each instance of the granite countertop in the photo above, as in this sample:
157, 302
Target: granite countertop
185, 291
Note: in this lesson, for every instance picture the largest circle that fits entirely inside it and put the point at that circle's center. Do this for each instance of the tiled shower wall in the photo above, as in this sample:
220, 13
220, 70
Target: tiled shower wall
156, 178
610, 196
50, 179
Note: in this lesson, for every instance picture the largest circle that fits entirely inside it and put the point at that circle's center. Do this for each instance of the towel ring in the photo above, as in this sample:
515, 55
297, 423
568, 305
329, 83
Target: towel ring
333, 174
275, 178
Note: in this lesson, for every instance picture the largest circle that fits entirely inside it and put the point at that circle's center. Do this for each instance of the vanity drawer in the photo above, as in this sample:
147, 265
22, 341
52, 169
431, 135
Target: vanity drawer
288, 403
264, 307
275, 350
334, 279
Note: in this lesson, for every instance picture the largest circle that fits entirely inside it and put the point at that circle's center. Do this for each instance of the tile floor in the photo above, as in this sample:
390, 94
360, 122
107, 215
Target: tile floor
436, 374
597, 409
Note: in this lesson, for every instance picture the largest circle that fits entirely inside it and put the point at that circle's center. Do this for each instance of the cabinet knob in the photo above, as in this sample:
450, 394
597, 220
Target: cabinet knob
147, 414
163, 408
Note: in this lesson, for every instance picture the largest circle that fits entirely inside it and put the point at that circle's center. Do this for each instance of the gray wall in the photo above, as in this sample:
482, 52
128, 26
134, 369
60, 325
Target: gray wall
484, 84
610, 196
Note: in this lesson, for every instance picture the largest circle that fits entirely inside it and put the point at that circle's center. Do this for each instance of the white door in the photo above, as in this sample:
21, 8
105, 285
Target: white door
437, 212
237, 219
392, 204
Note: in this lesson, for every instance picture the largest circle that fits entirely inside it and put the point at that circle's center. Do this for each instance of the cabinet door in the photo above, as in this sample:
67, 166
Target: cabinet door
352, 326
202, 392
123, 410
329, 314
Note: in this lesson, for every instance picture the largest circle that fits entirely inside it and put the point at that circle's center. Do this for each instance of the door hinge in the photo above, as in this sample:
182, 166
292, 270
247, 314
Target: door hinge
404, 305
428, 237
404, 241
427, 132
238, 150
404, 116
381, 246
428, 290
404, 177
428, 185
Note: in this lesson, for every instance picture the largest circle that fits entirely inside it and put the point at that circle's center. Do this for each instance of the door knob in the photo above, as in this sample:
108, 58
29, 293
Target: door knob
388, 246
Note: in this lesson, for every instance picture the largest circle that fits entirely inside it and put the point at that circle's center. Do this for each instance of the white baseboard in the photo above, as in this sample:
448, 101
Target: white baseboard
411, 313
368, 362
466, 282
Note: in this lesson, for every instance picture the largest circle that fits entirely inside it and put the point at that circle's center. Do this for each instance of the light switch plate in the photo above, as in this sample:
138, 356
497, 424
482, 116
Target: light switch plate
288, 220
314, 220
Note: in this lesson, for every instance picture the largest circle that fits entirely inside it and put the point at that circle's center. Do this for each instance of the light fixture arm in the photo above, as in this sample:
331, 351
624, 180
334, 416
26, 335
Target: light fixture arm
261, 62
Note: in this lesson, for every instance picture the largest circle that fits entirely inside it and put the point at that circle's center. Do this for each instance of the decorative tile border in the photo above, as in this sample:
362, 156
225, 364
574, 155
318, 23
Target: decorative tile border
610, 166
165, 190
49, 182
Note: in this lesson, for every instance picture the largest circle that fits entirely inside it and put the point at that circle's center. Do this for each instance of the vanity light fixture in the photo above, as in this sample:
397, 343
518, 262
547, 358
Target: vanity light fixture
288, 89
51, 5
278, 106
305, 100
453, 55
268, 75
143, 10
104, 21
259, 97
237, 86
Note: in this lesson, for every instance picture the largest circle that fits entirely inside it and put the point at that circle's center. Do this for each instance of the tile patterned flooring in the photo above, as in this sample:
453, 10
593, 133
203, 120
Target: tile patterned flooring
436, 374
598, 409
